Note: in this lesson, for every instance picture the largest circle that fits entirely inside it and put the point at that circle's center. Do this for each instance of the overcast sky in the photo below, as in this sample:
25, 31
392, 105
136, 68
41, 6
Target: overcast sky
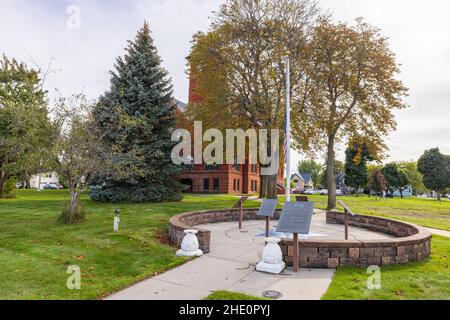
36, 31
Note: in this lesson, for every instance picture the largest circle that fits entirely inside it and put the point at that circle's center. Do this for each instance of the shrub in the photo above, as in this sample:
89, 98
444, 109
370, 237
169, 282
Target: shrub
9, 189
73, 218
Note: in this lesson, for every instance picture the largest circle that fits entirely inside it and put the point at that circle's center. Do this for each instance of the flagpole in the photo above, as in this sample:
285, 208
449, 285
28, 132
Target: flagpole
288, 130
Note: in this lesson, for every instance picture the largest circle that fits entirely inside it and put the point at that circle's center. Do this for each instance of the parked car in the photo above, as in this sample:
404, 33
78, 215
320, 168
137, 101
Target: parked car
297, 191
52, 186
323, 192
309, 191
339, 192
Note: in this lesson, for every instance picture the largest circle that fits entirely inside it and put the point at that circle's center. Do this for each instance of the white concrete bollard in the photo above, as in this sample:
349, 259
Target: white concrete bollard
116, 220
190, 246
272, 257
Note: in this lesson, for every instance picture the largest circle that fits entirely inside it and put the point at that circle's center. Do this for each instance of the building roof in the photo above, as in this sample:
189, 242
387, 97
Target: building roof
296, 175
180, 105
306, 177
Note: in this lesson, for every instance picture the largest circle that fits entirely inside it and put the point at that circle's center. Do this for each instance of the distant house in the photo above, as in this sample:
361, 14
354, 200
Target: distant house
407, 193
307, 179
43, 179
298, 181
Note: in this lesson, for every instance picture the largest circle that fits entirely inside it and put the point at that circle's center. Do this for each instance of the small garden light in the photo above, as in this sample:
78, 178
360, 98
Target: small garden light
116, 220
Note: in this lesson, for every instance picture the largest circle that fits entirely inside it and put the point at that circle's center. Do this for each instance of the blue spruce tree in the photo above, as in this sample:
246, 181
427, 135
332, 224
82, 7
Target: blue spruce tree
139, 116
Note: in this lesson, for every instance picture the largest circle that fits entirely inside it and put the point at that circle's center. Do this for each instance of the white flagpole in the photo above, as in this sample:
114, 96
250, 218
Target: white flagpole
288, 130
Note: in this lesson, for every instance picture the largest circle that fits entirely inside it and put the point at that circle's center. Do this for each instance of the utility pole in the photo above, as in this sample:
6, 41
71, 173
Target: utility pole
288, 130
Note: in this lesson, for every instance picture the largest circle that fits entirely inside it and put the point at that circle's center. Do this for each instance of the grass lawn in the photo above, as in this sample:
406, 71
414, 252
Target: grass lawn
428, 280
35, 250
424, 212
226, 295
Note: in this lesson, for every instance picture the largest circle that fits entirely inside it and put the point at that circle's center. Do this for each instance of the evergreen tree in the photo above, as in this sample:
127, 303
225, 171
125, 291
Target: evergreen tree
356, 172
140, 116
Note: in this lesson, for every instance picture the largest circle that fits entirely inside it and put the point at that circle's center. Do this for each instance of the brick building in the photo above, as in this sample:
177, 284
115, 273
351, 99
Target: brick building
229, 179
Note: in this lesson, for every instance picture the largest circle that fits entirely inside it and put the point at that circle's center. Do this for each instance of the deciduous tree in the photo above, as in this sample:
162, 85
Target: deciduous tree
25, 128
313, 168
351, 88
395, 178
435, 168
238, 66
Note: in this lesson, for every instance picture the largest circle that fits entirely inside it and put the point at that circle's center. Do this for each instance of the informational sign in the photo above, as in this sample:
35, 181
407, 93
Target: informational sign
240, 202
296, 217
346, 208
268, 208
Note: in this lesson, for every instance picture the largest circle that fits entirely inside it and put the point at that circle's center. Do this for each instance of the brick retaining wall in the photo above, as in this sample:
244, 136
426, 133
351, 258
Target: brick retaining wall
412, 243
179, 223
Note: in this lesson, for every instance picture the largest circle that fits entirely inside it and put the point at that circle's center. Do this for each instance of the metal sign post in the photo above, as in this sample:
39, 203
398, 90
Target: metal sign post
296, 219
267, 210
239, 205
347, 212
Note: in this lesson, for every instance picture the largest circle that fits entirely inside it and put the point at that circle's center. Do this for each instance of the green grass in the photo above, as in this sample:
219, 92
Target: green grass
428, 280
424, 212
226, 295
35, 250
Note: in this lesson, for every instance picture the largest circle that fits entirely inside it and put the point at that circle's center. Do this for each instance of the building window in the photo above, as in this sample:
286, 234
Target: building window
212, 167
234, 184
236, 165
216, 184
239, 185
206, 184
251, 188
256, 185
254, 168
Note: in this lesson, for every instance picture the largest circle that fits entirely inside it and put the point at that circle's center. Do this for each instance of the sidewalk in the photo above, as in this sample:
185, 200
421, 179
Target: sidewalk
229, 266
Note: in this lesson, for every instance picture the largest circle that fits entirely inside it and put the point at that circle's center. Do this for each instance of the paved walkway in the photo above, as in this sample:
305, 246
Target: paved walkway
439, 232
231, 266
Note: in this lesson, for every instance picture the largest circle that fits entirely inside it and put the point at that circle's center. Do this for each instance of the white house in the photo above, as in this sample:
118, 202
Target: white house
302, 181
43, 179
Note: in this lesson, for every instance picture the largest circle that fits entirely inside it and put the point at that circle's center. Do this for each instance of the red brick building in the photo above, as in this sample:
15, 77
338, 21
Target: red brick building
229, 179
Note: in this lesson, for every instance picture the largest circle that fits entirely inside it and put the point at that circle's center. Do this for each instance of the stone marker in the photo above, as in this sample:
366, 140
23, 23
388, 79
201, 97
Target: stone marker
190, 246
272, 257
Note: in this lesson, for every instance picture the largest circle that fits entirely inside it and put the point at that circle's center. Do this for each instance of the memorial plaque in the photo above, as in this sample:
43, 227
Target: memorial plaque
349, 211
268, 208
296, 217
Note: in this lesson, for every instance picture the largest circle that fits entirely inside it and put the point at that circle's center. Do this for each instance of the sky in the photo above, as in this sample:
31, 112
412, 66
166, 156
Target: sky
81, 39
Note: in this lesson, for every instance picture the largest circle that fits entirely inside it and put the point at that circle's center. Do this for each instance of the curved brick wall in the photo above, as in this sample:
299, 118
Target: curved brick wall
179, 223
412, 243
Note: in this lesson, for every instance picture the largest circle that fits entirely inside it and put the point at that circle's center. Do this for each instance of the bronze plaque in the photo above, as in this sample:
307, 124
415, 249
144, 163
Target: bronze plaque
268, 208
296, 217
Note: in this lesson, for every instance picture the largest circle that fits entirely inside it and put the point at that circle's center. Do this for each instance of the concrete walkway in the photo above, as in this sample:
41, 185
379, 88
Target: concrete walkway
439, 232
231, 266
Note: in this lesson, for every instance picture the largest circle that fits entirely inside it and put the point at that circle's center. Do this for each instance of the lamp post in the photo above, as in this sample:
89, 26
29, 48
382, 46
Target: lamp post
288, 130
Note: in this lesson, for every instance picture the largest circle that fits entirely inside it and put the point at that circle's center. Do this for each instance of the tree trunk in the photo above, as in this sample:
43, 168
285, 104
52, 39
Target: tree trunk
272, 187
401, 194
263, 186
3, 179
28, 181
74, 195
331, 183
